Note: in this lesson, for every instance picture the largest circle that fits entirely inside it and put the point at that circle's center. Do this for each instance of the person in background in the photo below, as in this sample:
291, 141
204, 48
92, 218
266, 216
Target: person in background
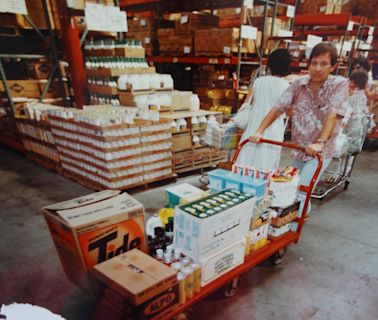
265, 93
318, 102
363, 64
357, 102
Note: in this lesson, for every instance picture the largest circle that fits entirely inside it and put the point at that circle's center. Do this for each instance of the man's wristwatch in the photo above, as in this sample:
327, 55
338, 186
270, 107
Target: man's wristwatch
320, 141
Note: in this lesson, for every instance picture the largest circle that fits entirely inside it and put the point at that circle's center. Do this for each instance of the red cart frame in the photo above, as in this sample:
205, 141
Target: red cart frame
273, 247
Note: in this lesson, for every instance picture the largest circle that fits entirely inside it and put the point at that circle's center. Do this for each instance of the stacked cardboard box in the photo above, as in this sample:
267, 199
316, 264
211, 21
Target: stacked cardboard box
143, 29
37, 137
180, 39
221, 41
32, 89
319, 6
190, 22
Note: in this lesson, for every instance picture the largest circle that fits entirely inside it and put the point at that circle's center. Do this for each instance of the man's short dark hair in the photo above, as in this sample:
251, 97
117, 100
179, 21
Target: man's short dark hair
279, 62
323, 48
361, 62
359, 78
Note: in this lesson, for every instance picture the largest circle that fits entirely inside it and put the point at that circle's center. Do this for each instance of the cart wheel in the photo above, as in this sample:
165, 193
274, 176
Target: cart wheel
232, 287
276, 258
346, 185
185, 315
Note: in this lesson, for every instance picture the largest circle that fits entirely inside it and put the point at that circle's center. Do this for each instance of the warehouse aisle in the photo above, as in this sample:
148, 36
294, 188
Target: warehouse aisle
331, 274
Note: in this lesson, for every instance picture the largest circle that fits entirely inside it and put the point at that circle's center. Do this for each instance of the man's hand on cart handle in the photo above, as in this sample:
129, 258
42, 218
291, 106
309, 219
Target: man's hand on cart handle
314, 148
256, 138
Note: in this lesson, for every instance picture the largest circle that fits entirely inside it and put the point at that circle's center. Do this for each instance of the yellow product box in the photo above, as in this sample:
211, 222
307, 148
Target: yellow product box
94, 228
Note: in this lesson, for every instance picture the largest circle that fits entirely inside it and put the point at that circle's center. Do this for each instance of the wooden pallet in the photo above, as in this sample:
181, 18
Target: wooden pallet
44, 162
131, 188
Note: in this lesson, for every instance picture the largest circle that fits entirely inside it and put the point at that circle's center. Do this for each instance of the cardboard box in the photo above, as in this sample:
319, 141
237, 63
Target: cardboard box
23, 88
93, 228
181, 100
222, 262
139, 285
182, 141
53, 90
183, 193
200, 235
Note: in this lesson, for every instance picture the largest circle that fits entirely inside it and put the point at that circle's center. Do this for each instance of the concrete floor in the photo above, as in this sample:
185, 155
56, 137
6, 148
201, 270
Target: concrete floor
332, 273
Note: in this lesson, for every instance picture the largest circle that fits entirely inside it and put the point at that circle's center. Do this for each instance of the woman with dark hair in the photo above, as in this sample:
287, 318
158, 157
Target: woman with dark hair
265, 93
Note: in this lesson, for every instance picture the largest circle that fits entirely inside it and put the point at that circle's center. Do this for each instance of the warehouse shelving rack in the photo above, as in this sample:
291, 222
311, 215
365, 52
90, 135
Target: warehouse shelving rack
258, 61
49, 38
346, 26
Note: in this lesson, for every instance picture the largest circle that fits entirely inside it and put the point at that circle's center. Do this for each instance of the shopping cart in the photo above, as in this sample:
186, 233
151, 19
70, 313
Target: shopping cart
273, 252
340, 169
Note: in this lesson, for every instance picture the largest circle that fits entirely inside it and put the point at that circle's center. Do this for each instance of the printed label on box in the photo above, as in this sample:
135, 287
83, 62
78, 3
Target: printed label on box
106, 243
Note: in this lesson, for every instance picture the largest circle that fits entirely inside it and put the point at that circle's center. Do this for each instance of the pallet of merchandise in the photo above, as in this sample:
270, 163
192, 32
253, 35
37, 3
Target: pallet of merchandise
44, 162
107, 72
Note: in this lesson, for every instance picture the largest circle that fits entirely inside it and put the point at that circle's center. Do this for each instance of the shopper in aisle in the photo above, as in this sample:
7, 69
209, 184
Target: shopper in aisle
318, 102
357, 102
363, 64
265, 94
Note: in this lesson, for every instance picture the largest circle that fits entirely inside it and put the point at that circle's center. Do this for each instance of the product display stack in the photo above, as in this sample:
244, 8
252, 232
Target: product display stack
107, 147
37, 137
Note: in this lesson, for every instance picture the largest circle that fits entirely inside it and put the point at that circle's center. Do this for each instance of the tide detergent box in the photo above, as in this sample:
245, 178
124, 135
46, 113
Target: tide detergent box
94, 228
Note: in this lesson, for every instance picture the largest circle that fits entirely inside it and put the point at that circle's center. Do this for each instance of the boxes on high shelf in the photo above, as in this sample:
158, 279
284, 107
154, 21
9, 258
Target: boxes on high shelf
23, 88
189, 22
53, 90
204, 227
139, 286
141, 25
319, 6
42, 69
222, 41
91, 229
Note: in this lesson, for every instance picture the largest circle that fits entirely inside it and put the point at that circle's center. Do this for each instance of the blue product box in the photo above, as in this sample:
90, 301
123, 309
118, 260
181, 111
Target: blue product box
217, 181
254, 186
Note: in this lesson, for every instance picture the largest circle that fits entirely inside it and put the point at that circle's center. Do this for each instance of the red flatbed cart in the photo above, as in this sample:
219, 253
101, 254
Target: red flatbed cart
274, 250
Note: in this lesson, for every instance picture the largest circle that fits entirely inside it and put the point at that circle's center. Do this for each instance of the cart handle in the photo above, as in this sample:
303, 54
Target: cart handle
307, 189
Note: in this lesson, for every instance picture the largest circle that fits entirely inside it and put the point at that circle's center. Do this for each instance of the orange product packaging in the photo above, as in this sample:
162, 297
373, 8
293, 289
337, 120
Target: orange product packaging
95, 228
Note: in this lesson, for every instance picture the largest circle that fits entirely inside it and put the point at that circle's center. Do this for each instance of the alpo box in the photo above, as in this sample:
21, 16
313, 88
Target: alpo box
94, 228
139, 286
199, 238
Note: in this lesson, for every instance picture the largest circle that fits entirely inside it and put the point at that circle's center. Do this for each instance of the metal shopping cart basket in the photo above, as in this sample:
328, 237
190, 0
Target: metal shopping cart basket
340, 169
